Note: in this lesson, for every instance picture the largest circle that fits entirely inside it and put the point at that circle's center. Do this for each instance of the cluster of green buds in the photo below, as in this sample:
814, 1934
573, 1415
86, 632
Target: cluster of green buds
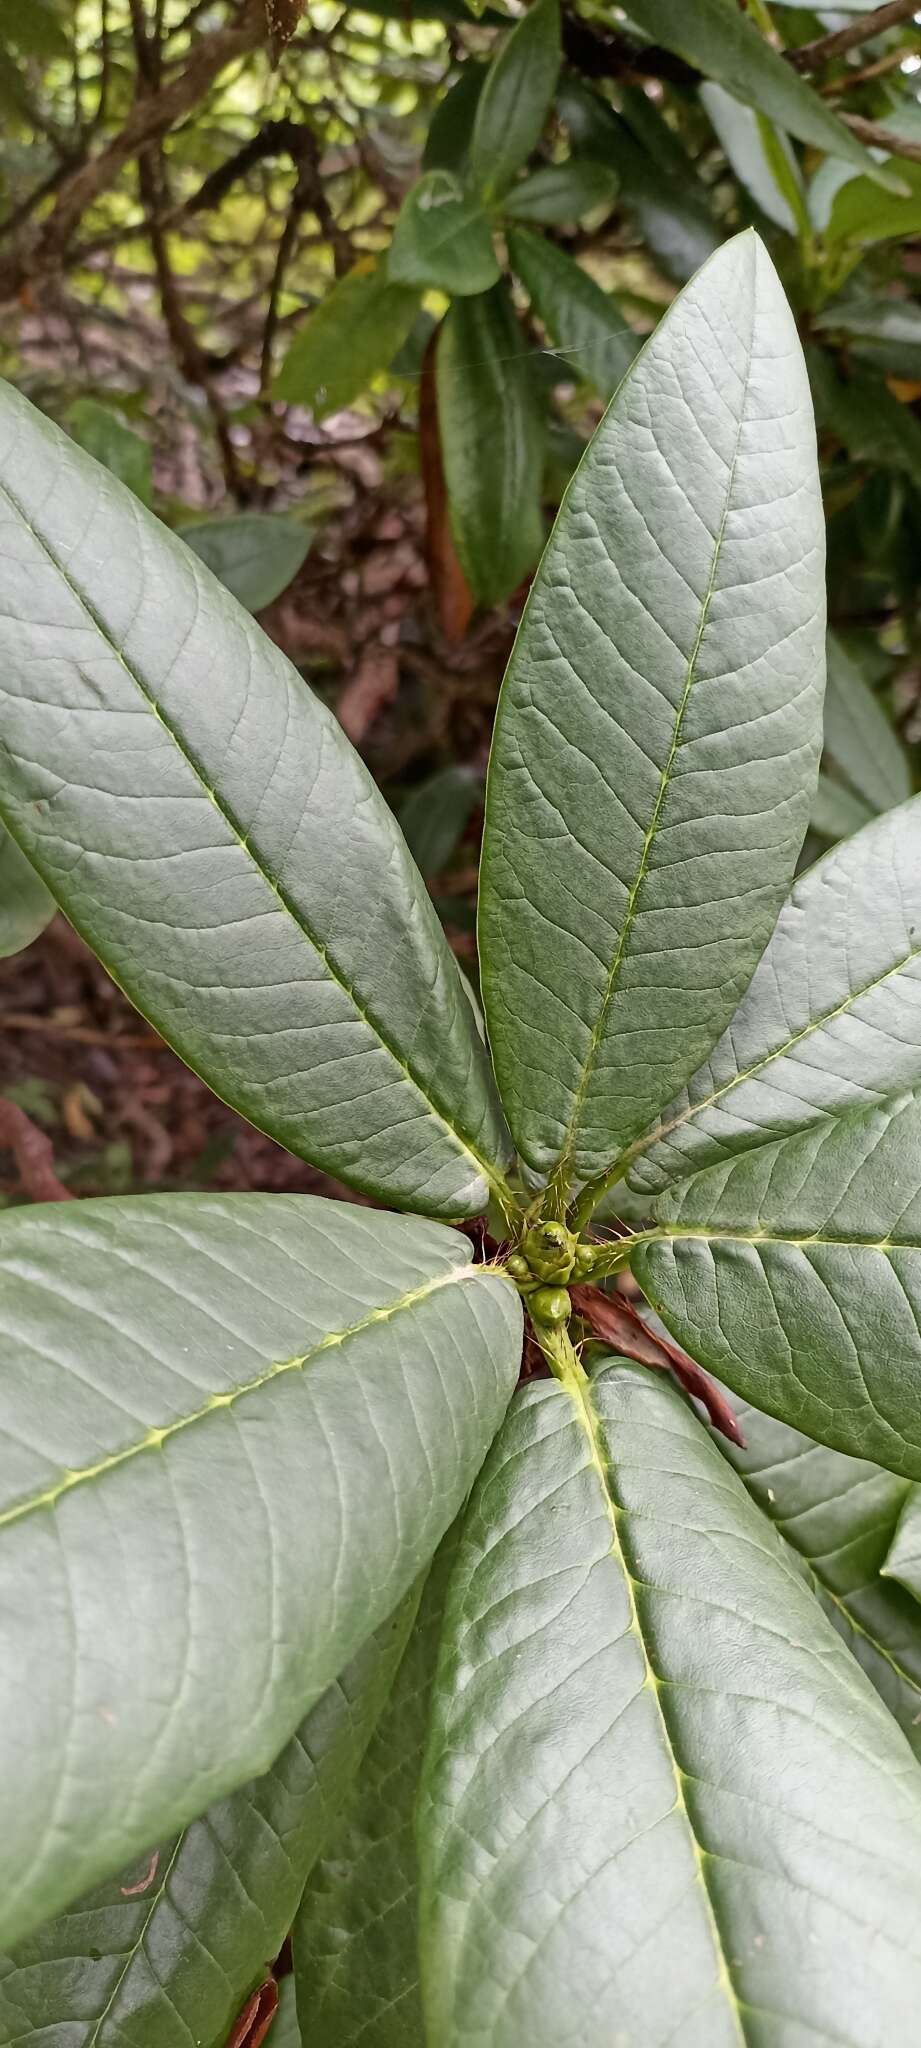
547, 1257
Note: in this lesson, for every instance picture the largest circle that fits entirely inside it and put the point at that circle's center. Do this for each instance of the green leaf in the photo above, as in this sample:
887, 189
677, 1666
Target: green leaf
206, 826
443, 238
492, 443
355, 1952
831, 1019
516, 98
836, 811
903, 1561
590, 334
25, 905
749, 152
285, 2030
434, 816
794, 1273
558, 193
169, 1952
727, 46
585, 324
862, 213
33, 27
883, 331
661, 1804
659, 185
867, 418
839, 1514
349, 337
101, 432
254, 554
859, 737
447, 144
658, 728
234, 1429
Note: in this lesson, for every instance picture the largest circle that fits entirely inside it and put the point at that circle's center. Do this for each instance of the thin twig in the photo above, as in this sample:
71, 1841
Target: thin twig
34, 1154
812, 56
877, 137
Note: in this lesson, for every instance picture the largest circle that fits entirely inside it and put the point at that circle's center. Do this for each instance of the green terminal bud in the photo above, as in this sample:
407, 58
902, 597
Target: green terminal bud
550, 1305
549, 1249
517, 1267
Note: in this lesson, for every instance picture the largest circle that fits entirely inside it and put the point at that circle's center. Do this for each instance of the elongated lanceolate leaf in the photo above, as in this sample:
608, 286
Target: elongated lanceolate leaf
355, 1938
658, 730
208, 829
755, 157
832, 1018
515, 100
347, 339
233, 1432
663, 1803
858, 735
839, 1514
557, 193
729, 47
25, 905
585, 324
170, 1950
836, 811
492, 443
794, 1273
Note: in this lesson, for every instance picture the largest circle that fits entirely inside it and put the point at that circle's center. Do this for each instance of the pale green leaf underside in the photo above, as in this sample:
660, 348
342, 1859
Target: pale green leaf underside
839, 1514
742, 142
658, 729
836, 811
903, 1560
663, 1803
208, 829
355, 1945
832, 1016
170, 1950
232, 1432
794, 1273
25, 905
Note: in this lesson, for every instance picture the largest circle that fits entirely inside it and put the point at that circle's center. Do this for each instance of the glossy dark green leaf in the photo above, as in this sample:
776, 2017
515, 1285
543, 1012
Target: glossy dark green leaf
754, 157
103, 434
234, 1430
585, 324
355, 1941
858, 735
728, 46
831, 1019
447, 143
254, 554
443, 238
492, 443
516, 98
346, 340
558, 193
658, 729
794, 1273
206, 826
867, 417
25, 905
839, 1514
169, 1951
662, 1804
668, 203
434, 816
